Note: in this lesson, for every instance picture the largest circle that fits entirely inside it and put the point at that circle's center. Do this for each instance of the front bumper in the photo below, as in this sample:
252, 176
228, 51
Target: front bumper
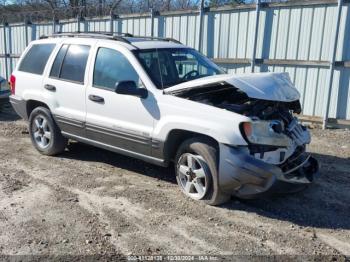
244, 176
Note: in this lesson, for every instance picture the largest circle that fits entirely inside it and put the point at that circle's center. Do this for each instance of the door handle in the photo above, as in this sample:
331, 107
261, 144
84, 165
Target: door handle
50, 87
96, 99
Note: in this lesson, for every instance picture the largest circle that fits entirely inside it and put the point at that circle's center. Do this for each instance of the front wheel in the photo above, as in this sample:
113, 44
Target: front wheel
44, 132
196, 171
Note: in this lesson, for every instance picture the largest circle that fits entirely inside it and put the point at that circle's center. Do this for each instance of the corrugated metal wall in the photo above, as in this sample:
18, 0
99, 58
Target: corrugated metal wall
297, 39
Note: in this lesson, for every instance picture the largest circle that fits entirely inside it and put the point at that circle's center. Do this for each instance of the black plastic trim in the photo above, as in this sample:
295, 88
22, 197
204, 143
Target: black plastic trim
20, 106
147, 158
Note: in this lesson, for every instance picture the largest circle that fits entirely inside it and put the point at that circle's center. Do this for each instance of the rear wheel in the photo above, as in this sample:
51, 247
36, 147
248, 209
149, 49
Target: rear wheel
45, 134
196, 171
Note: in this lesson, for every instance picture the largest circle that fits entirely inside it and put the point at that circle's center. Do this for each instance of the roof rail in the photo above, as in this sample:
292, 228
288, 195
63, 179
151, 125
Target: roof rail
168, 39
90, 35
104, 35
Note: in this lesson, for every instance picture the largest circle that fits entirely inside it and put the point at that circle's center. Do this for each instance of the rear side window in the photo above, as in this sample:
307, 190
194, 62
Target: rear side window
70, 63
36, 58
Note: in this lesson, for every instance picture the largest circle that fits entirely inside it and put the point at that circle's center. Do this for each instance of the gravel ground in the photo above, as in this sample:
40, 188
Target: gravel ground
89, 201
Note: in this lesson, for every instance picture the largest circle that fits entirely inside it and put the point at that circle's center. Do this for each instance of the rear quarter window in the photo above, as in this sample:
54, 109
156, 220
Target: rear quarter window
35, 59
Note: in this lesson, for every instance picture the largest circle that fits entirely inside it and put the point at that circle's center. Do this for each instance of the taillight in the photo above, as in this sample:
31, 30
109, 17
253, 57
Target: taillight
13, 84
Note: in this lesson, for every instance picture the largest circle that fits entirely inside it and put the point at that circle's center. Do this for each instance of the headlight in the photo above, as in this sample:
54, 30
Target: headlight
265, 133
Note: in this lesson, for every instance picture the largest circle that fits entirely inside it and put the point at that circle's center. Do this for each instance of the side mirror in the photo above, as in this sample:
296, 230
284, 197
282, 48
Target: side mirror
130, 88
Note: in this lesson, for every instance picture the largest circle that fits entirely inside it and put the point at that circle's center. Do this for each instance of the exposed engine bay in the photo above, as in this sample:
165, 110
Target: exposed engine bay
275, 133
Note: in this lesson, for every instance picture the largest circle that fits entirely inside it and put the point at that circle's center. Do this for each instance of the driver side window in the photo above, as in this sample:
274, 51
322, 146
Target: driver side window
111, 67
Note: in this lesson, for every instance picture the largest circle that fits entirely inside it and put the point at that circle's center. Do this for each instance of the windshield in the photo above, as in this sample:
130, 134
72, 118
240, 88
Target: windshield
171, 66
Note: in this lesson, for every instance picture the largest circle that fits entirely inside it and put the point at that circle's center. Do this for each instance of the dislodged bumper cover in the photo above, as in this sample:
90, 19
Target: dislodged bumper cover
247, 177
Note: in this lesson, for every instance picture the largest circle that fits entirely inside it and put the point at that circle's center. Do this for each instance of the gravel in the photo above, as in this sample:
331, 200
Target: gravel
91, 202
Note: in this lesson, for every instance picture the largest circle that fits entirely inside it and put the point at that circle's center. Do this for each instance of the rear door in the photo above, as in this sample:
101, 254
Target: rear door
66, 84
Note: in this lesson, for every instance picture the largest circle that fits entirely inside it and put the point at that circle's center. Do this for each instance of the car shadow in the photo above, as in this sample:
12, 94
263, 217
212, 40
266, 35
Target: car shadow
325, 204
7, 113
83, 152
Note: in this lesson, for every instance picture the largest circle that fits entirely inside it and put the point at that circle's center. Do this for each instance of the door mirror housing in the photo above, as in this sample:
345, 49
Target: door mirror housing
130, 88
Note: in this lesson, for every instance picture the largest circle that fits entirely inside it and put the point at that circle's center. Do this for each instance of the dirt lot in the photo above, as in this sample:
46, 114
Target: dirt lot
90, 201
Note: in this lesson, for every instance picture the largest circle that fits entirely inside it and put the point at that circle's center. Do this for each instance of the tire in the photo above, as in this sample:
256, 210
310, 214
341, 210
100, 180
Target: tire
45, 134
194, 156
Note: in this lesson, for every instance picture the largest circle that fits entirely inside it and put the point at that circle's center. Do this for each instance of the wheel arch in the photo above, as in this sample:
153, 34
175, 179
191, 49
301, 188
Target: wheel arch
31, 104
176, 137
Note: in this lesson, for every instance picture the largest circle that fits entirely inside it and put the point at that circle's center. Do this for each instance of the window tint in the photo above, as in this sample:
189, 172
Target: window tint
36, 58
56, 67
74, 63
112, 66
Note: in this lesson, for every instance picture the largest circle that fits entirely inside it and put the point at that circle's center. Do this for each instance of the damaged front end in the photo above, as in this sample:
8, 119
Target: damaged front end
275, 154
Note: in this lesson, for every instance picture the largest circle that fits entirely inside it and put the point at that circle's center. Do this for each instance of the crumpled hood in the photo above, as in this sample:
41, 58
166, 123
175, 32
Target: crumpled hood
265, 86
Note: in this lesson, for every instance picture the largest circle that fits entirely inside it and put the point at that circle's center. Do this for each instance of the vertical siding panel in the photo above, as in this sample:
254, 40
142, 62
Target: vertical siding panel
250, 36
216, 40
136, 26
305, 33
343, 50
310, 91
176, 28
293, 34
243, 34
320, 97
192, 31
299, 82
317, 33
329, 25
282, 33
168, 26
224, 35
234, 27
334, 96
184, 29
274, 33
261, 32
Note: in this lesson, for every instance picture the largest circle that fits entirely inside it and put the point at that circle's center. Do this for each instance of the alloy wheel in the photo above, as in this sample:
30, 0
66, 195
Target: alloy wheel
193, 175
41, 131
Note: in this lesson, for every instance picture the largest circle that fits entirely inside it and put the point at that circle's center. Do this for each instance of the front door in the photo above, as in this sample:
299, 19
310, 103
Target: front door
122, 121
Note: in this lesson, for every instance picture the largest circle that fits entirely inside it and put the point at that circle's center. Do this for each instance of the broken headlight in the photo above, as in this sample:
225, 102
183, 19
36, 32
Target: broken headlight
265, 133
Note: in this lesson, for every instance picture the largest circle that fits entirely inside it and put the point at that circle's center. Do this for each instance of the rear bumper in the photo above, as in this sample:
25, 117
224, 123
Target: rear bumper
20, 106
247, 177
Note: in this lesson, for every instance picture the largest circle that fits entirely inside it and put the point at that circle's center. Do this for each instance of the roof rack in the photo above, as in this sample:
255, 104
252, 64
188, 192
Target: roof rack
104, 35
168, 39
90, 35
